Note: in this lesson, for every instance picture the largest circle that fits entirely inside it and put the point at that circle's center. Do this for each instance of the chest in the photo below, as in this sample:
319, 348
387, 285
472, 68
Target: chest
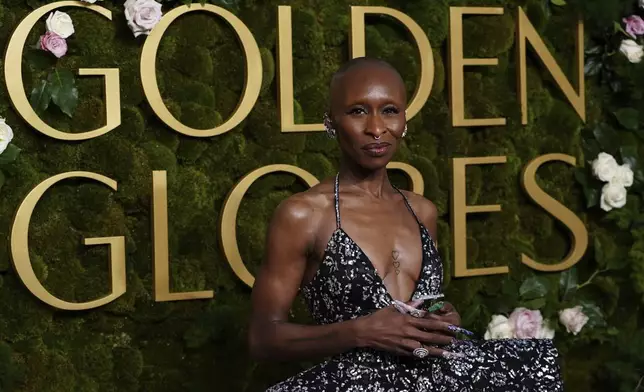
390, 237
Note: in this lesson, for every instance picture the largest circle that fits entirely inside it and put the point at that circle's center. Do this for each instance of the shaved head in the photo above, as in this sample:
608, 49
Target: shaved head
358, 64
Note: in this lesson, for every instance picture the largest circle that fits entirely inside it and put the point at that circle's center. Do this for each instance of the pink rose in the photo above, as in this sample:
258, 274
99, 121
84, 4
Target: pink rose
634, 25
573, 319
526, 323
53, 43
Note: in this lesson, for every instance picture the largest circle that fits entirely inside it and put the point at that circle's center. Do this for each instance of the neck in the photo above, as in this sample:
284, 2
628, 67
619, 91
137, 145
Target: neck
371, 182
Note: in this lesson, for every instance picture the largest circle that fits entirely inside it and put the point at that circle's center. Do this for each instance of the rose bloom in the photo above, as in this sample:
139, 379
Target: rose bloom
526, 323
634, 25
54, 43
573, 319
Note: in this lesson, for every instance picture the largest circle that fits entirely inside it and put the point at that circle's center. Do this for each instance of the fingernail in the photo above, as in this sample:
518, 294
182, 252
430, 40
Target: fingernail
451, 355
435, 307
454, 328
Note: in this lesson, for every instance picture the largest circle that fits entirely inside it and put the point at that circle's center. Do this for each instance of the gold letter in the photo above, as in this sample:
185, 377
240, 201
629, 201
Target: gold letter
416, 178
161, 254
16, 89
525, 31
253, 71
559, 211
285, 73
228, 223
424, 86
457, 87
20, 247
459, 212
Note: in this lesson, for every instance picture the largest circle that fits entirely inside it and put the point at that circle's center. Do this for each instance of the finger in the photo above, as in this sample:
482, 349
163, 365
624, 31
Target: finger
407, 346
432, 339
432, 324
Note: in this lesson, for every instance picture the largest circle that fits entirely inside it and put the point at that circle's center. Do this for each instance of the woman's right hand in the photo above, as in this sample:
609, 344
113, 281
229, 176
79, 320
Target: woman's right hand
390, 330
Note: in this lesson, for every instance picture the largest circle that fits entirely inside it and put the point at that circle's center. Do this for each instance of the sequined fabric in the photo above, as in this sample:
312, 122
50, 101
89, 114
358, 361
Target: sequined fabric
347, 286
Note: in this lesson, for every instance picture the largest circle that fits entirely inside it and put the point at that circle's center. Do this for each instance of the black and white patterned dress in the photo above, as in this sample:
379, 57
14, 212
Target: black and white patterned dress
347, 286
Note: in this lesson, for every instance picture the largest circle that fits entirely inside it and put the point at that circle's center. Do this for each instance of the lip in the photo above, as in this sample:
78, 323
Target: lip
377, 149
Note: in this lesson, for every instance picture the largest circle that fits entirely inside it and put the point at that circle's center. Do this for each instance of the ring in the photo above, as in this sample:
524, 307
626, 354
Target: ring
421, 352
416, 313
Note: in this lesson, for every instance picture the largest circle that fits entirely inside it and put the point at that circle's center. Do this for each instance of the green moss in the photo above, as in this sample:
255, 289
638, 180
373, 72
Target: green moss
159, 156
488, 36
268, 68
316, 164
199, 117
128, 367
432, 16
196, 62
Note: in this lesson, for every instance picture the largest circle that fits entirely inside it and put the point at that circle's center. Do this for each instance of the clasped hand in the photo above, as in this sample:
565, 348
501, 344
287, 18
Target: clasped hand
390, 330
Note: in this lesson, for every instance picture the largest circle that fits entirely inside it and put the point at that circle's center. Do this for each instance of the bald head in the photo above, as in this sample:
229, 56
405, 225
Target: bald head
360, 64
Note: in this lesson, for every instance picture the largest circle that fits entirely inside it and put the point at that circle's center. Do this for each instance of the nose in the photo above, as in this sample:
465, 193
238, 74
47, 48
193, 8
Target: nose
375, 126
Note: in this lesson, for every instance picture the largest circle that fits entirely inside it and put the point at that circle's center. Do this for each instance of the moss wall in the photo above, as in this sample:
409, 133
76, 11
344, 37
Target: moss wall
136, 344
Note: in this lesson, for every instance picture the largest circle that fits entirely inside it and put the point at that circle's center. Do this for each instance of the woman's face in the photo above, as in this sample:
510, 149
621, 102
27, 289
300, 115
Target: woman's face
368, 113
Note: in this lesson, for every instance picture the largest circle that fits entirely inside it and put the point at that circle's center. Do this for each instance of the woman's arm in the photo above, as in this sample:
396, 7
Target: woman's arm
290, 238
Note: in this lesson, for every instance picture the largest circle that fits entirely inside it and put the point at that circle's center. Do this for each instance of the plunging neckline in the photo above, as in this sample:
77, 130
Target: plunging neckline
367, 261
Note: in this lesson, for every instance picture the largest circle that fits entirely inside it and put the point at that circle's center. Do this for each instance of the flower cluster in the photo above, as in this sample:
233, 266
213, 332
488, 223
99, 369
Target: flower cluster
634, 26
59, 28
529, 324
617, 179
142, 15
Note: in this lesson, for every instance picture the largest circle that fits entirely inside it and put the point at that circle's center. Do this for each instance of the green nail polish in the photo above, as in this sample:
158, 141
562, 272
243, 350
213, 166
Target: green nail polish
435, 307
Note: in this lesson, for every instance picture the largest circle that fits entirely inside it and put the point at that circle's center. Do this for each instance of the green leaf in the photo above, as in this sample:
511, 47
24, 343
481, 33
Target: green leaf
592, 193
592, 66
607, 138
629, 118
9, 155
594, 313
63, 90
537, 303
40, 97
591, 148
629, 155
533, 287
560, 3
600, 257
2, 178
568, 282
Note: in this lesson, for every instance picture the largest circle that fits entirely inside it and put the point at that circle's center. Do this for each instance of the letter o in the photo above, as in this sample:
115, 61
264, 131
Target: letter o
228, 222
253, 71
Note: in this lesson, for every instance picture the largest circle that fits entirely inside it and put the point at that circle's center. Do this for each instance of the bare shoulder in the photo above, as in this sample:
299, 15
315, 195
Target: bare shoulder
425, 210
304, 208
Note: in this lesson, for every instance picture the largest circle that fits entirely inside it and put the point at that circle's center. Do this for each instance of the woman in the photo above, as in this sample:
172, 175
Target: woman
355, 244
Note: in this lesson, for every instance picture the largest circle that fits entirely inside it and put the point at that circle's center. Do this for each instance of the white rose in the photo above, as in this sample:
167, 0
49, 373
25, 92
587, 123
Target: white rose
623, 176
6, 134
613, 196
632, 50
142, 15
60, 23
499, 328
545, 332
573, 319
605, 166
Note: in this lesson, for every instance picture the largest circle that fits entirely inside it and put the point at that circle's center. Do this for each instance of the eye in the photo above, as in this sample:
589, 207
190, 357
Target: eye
391, 110
357, 111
